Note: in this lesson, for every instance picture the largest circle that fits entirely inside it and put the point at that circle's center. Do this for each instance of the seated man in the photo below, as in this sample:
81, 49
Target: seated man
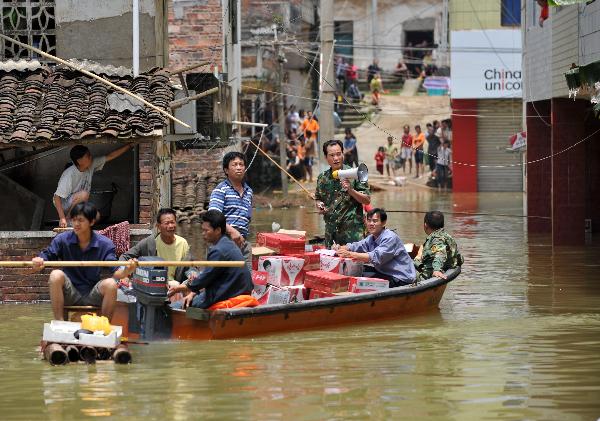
218, 283
440, 252
384, 250
82, 285
167, 245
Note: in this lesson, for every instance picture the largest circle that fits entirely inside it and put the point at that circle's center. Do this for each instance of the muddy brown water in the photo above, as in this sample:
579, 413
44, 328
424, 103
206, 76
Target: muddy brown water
517, 336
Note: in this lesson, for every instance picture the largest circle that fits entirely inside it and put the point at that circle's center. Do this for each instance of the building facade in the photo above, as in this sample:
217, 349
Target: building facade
486, 92
563, 133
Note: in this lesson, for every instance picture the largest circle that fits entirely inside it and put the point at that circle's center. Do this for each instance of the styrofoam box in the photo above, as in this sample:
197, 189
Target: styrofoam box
62, 332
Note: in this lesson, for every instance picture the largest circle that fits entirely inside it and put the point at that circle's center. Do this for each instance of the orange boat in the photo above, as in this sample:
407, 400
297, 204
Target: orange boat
197, 324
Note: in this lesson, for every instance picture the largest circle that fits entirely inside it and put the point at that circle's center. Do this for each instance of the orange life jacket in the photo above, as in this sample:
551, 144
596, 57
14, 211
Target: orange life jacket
235, 302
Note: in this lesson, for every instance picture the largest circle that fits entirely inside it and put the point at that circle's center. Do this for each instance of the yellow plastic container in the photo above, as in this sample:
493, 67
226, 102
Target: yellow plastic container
96, 323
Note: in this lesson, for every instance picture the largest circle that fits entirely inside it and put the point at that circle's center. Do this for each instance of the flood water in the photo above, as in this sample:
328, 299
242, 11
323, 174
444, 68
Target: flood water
517, 336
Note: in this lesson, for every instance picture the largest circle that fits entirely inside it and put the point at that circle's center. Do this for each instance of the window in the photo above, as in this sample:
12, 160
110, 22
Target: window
343, 34
31, 22
511, 13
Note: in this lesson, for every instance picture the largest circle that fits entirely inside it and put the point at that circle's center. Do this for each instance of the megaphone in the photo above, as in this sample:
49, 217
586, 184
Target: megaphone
361, 173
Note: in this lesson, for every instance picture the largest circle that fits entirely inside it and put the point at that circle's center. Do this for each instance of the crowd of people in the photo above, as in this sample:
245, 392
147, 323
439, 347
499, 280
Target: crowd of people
431, 149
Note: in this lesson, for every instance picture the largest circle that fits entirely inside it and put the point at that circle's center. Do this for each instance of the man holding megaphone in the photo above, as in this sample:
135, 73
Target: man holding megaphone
341, 193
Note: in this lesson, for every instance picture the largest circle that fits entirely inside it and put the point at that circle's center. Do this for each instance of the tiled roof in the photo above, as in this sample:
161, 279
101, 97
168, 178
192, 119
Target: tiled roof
53, 104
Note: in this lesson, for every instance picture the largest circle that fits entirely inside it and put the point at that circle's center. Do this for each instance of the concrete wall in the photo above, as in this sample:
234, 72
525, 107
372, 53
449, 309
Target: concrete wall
391, 18
101, 30
537, 55
565, 47
589, 24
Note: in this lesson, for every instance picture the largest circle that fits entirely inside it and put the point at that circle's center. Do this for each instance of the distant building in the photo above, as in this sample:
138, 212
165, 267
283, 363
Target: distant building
486, 90
390, 30
563, 134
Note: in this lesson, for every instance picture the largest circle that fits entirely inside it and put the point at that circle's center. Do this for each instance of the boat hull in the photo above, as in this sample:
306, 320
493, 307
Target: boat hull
320, 313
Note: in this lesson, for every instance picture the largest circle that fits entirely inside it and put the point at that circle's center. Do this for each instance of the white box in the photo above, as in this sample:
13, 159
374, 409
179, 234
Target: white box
62, 332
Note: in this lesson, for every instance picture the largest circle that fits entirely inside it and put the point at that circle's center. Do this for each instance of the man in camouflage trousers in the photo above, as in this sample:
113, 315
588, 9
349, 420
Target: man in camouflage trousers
340, 201
439, 253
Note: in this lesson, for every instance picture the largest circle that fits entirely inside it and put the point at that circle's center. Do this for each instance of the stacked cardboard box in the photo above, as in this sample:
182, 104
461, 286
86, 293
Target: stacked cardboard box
326, 281
282, 270
282, 244
341, 265
361, 284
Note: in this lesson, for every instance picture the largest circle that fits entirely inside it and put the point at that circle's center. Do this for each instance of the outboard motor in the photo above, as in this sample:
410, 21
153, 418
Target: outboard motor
149, 316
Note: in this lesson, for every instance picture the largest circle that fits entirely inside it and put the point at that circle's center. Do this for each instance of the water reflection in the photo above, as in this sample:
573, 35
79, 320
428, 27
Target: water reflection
517, 337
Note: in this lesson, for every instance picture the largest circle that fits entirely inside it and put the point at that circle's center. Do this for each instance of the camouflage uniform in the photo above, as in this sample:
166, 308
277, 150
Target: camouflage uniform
440, 253
344, 219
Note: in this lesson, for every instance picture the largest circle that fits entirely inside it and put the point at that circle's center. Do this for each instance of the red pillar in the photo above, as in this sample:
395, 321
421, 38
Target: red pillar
464, 145
539, 170
568, 172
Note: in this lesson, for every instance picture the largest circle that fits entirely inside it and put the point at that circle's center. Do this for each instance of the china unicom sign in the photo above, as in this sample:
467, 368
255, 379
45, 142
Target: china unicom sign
486, 64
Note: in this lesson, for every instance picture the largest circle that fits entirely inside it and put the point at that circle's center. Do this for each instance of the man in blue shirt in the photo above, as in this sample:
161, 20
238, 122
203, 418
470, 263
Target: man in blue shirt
217, 283
384, 250
233, 198
82, 285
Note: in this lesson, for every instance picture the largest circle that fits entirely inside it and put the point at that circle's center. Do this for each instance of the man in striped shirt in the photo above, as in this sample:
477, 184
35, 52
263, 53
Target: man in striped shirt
233, 198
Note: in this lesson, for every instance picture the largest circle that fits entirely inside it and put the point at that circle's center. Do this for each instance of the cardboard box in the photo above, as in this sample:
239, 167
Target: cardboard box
326, 281
282, 270
281, 243
260, 251
293, 233
362, 284
259, 277
298, 293
312, 261
313, 247
272, 295
341, 265
315, 293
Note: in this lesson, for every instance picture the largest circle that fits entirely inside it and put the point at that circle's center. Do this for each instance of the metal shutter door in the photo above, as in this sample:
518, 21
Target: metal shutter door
498, 120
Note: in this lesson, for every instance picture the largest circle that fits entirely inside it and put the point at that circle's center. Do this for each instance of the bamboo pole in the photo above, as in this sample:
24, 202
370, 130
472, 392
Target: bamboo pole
90, 74
142, 263
310, 194
178, 103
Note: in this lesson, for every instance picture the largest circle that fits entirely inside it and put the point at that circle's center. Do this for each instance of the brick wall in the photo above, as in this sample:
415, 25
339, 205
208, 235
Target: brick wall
19, 284
190, 161
195, 32
148, 170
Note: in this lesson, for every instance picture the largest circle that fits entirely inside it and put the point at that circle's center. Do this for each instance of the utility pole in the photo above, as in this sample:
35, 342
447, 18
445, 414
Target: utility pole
327, 80
280, 116
374, 28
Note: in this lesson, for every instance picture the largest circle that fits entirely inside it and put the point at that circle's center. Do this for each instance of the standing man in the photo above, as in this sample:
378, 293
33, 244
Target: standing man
384, 250
340, 201
167, 245
433, 144
350, 152
310, 128
418, 145
233, 198
76, 181
439, 252
215, 284
406, 149
390, 156
82, 286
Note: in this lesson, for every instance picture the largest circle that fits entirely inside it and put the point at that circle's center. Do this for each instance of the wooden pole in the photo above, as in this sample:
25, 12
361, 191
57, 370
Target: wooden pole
90, 74
142, 263
183, 101
310, 194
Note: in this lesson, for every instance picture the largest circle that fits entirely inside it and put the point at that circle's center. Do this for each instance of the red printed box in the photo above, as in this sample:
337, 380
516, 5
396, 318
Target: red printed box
281, 243
272, 295
312, 261
341, 265
362, 284
326, 281
282, 270
298, 293
315, 293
